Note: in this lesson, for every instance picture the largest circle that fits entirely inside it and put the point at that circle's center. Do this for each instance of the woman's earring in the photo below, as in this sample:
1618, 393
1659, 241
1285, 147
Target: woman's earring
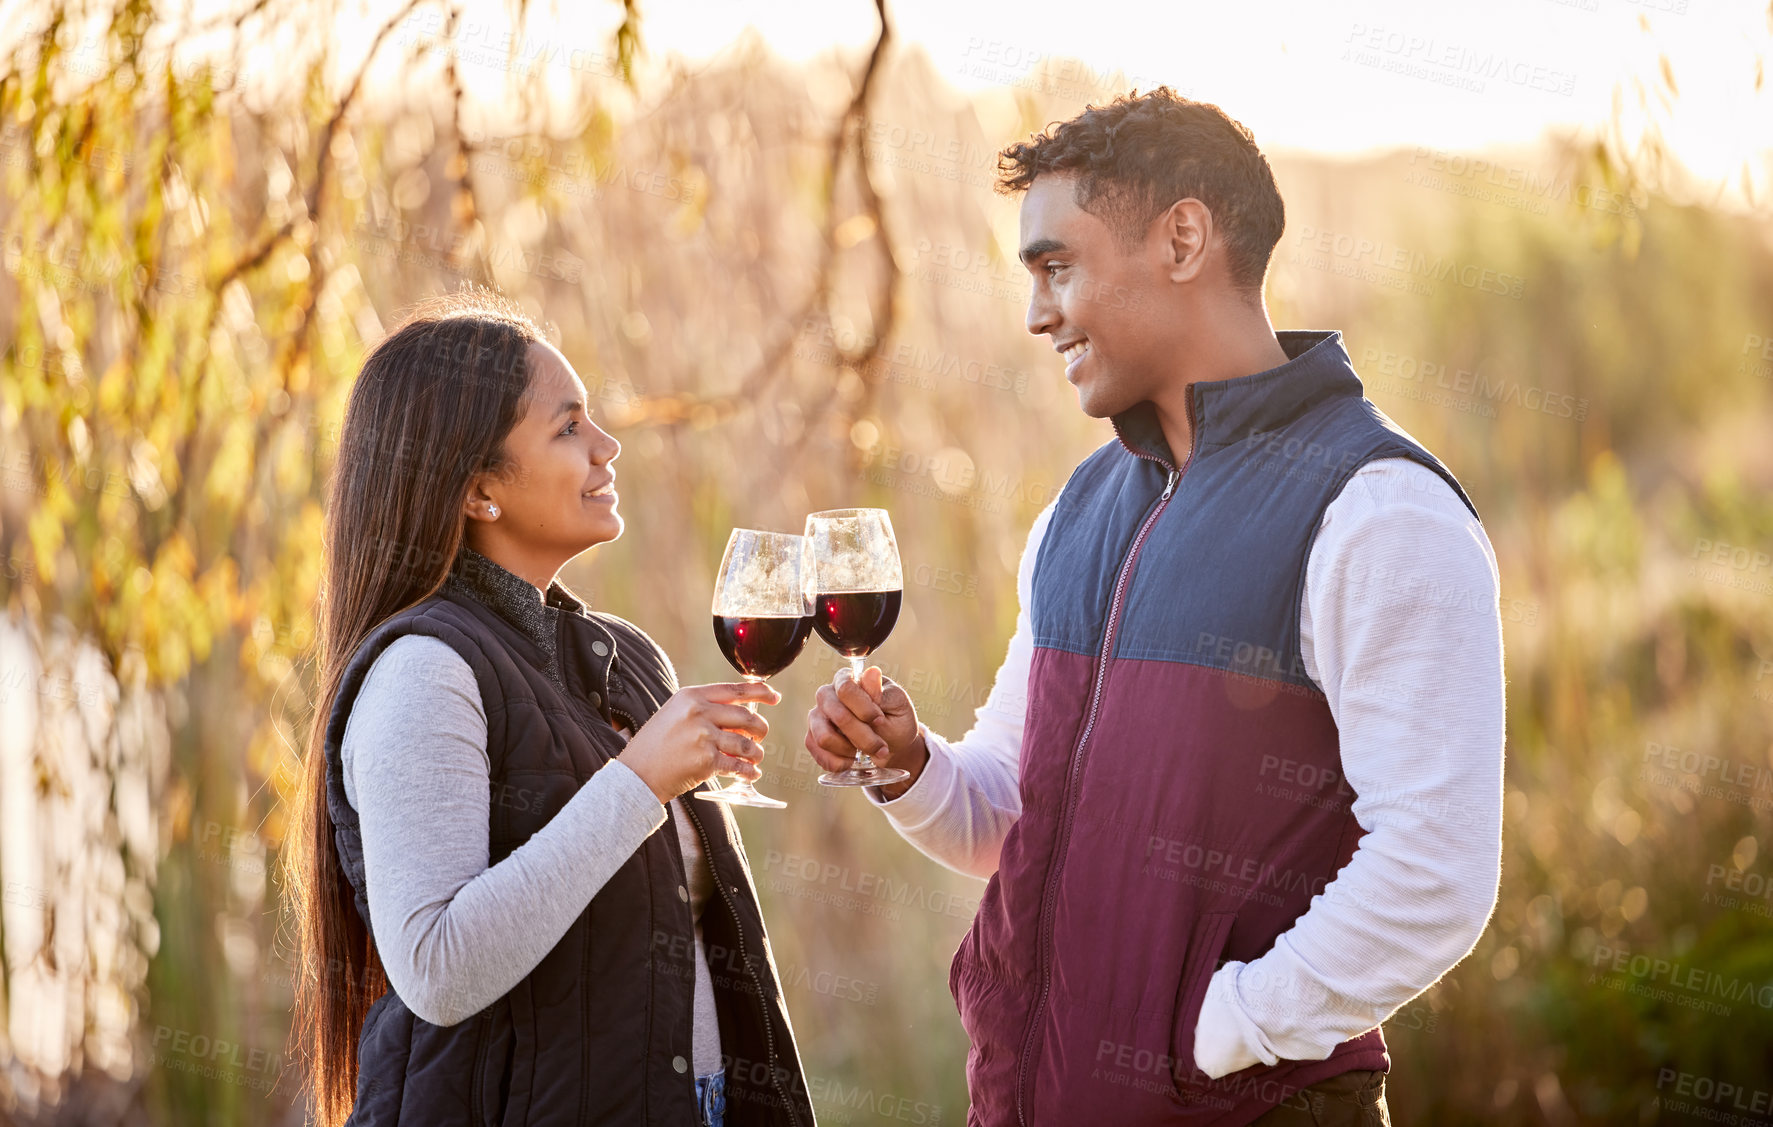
492, 511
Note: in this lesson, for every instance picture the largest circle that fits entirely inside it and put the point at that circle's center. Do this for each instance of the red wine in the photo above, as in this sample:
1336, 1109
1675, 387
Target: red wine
761, 647
854, 623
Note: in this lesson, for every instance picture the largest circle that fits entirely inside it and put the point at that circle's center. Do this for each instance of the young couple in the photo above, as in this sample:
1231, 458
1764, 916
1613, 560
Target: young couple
1236, 790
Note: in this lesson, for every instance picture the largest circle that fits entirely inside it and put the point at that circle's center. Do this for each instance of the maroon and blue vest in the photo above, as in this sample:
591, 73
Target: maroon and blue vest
1181, 779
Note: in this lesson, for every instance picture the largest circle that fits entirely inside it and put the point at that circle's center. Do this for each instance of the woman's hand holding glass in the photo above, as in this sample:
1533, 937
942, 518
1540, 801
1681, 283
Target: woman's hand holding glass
702, 731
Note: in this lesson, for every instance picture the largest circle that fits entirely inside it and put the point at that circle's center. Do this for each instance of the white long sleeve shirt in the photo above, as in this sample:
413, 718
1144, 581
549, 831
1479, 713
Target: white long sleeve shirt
1401, 629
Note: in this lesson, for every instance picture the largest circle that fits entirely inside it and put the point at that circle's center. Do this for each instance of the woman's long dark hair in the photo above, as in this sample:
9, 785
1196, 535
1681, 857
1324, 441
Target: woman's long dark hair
431, 408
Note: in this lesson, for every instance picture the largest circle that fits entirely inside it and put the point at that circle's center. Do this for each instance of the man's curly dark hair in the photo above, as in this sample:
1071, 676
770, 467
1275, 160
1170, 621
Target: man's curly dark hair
1140, 153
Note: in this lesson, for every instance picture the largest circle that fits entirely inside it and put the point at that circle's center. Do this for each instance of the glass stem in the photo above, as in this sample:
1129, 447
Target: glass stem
744, 785
863, 762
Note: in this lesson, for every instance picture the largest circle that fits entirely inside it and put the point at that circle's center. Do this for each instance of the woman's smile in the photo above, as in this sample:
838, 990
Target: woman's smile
604, 494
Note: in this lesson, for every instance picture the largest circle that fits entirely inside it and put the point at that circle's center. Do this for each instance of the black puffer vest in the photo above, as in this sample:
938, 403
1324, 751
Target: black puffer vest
600, 1030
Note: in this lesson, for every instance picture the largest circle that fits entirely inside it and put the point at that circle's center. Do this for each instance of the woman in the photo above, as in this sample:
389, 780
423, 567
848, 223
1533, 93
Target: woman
495, 925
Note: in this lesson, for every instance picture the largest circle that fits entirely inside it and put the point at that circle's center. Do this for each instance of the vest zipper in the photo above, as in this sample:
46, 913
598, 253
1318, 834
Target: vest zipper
585, 1041
584, 969
769, 1037
1077, 757
481, 1021
594, 719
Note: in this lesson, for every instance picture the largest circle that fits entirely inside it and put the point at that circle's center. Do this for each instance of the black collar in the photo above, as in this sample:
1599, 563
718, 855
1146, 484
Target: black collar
517, 601
1231, 411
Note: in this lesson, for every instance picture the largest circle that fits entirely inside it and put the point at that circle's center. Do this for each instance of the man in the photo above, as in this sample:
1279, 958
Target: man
1237, 788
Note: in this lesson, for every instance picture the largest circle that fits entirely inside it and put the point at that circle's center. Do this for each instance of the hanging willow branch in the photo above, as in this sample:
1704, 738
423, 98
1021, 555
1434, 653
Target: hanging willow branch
869, 224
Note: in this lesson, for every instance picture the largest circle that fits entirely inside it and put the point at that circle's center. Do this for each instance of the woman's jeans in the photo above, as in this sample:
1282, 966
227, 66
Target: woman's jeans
711, 1099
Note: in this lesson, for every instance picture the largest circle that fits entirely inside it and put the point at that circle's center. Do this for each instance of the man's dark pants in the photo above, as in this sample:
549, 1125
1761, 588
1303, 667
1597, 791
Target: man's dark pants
1353, 1099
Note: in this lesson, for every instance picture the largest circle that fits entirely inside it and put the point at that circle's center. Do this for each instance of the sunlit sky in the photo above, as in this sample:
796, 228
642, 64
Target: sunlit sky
1280, 66
1331, 77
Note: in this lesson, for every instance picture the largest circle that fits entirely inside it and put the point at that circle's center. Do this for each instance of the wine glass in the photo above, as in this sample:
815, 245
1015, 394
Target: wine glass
853, 578
760, 621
